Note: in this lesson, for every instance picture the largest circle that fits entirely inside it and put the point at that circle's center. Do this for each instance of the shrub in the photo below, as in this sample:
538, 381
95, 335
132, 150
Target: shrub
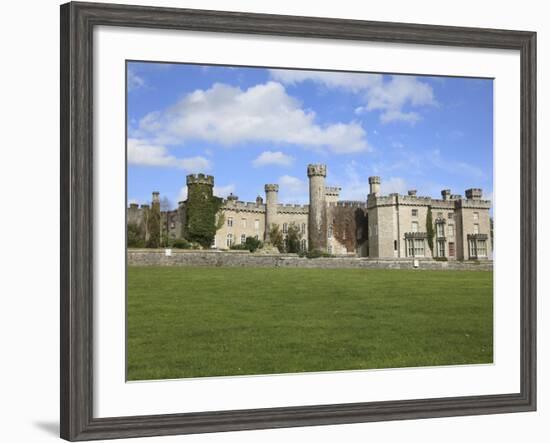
135, 236
181, 243
441, 259
316, 253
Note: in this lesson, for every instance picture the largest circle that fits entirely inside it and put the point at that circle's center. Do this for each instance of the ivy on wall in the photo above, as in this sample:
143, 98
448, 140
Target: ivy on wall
349, 226
201, 210
430, 229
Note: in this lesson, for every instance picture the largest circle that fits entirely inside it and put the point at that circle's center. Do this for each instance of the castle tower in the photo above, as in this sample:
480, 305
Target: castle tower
317, 207
200, 190
271, 201
374, 183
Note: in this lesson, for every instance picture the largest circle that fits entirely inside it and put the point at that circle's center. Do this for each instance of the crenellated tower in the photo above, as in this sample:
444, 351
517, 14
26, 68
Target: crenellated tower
271, 201
317, 207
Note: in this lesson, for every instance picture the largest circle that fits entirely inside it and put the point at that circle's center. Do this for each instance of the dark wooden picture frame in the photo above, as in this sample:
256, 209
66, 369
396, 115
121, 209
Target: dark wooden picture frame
77, 23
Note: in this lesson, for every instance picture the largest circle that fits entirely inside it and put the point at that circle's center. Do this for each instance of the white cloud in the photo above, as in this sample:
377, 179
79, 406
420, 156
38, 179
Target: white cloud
265, 112
293, 190
143, 153
182, 196
393, 184
134, 80
224, 191
456, 167
387, 96
273, 158
357, 185
353, 82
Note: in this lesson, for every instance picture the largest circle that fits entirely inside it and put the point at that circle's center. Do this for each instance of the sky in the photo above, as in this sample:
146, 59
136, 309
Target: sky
250, 126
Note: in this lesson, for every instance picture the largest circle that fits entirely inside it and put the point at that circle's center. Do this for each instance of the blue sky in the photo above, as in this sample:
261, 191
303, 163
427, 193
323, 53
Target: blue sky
251, 126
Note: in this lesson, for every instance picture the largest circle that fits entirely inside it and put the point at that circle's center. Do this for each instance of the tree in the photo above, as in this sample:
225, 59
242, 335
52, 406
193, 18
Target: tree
153, 226
276, 237
253, 244
165, 206
430, 229
135, 236
293, 239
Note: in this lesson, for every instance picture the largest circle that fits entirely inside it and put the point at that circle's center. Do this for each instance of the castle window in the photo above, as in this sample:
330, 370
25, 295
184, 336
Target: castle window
450, 215
476, 228
229, 240
481, 248
415, 247
329, 232
451, 249
441, 248
229, 222
256, 236
419, 247
395, 245
451, 230
439, 230
243, 239
285, 228
476, 216
329, 249
243, 221
414, 212
303, 244
213, 245
414, 226
256, 225
472, 248
303, 228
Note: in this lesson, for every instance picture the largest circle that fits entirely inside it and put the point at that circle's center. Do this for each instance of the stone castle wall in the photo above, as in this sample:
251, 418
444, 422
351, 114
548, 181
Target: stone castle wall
147, 257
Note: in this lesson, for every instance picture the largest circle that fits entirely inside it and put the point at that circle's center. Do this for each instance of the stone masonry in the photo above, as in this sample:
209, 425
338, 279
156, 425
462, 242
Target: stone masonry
390, 226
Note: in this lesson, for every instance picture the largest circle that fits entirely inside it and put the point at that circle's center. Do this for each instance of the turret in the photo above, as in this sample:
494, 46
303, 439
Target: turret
446, 194
271, 201
317, 206
474, 194
374, 184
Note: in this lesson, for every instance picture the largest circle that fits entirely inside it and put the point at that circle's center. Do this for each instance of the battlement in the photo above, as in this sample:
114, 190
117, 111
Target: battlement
374, 180
271, 188
200, 179
349, 204
333, 191
234, 205
474, 194
316, 170
292, 209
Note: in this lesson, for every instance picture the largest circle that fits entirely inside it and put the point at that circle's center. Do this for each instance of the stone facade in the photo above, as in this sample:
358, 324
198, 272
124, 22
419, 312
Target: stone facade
390, 226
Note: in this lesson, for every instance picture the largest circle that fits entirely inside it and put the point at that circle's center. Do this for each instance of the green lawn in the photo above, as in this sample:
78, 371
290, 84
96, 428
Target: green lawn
195, 322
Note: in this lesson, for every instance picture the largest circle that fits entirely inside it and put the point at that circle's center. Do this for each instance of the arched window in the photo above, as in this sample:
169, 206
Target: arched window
229, 240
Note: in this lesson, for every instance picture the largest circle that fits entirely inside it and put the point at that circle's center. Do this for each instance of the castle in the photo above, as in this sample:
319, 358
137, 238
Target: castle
382, 226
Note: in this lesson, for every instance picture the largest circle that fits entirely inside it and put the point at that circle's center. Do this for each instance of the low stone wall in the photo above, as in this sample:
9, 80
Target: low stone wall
147, 257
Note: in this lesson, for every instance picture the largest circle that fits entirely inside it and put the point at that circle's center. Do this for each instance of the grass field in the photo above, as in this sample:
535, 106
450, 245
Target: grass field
195, 322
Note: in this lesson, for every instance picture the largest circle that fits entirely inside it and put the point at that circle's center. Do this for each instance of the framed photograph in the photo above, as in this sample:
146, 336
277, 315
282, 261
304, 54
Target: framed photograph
273, 221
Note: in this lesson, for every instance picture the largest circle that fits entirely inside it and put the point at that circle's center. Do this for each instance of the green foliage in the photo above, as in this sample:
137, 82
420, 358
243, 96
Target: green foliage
276, 237
430, 229
135, 236
153, 226
202, 208
441, 259
181, 243
293, 238
338, 319
253, 244
317, 253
